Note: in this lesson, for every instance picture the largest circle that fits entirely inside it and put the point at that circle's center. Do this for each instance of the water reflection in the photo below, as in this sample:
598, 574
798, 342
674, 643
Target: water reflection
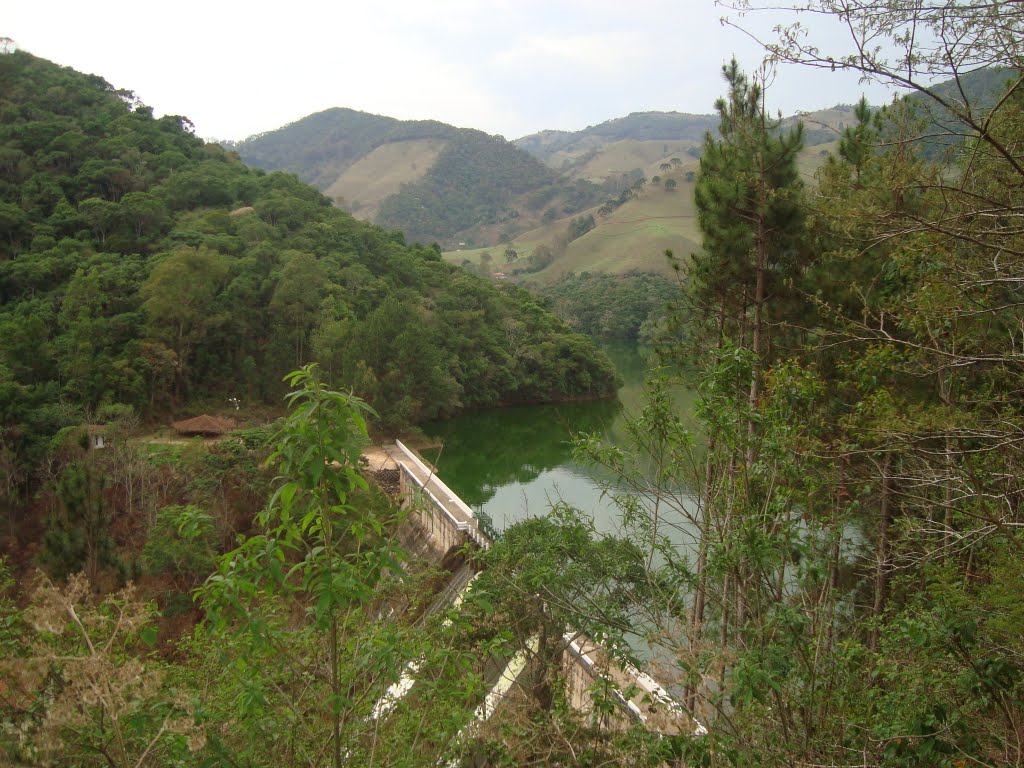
511, 463
490, 450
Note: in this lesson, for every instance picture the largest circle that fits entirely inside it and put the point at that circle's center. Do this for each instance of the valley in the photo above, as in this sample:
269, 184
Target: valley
718, 415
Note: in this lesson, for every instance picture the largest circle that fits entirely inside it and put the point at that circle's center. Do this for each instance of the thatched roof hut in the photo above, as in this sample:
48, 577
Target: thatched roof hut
207, 426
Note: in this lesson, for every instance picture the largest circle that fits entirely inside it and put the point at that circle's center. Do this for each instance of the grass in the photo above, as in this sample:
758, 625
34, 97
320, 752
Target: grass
811, 159
622, 156
380, 174
634, 237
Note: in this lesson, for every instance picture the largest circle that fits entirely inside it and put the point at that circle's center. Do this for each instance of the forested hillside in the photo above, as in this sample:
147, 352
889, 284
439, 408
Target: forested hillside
611, 306
142, 268
319, 147
474, 181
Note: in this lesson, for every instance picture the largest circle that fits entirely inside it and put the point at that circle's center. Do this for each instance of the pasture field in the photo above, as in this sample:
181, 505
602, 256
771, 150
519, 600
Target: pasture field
627, 154
632, 238
380, 174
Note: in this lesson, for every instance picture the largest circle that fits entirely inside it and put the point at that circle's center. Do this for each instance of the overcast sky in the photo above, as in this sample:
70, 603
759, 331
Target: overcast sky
509, 67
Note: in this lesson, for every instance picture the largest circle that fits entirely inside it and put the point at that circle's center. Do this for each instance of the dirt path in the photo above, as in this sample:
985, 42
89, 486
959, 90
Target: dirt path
377, 458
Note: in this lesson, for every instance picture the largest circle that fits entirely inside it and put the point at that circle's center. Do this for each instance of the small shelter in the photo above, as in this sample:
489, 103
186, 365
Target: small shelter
205, 426
96, 436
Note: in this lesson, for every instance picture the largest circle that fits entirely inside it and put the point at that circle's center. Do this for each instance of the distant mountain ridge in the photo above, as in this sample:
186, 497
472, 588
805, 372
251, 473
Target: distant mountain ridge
458, 186
430, 180
318, 147
465, 189
639, 126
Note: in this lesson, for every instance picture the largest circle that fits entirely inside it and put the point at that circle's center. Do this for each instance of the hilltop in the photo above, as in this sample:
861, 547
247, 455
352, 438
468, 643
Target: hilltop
432, 181
482, 196
466, 189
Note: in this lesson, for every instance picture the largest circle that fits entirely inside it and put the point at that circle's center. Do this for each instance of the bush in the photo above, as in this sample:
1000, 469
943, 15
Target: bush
181, 544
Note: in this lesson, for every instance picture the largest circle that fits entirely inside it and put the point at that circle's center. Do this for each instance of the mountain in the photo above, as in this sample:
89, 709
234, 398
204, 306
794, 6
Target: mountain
973, 92
143, 270
463, 188
432, 181
474, 194
561, 148
654, 135
628, 232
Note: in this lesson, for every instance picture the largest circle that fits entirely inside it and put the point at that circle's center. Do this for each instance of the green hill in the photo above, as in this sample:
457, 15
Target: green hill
659, 132
432, 181
473, 181
319, 148
556, 147
142, 269
627, 238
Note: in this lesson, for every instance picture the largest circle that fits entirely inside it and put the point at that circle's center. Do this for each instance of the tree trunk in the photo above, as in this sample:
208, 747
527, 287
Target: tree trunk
882, 556
757, 342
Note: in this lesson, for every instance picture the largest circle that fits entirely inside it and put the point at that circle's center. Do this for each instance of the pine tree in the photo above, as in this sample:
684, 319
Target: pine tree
748, 198
77, 536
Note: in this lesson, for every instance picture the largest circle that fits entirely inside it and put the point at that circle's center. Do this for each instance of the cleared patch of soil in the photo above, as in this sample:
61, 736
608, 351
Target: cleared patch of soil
378, 459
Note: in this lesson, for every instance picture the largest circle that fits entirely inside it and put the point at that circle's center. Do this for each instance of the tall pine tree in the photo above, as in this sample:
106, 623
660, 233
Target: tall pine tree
748, 197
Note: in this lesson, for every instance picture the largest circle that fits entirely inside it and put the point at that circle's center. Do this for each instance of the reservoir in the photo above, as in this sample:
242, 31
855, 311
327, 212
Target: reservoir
512, 463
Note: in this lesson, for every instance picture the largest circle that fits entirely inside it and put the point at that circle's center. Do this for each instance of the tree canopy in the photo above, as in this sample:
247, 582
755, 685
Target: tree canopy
139, 265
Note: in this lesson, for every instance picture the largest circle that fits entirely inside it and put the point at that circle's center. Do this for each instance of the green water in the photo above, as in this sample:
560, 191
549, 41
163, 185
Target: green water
513, 463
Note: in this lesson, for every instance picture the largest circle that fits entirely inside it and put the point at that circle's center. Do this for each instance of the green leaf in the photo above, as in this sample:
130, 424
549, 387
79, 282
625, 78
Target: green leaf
148, 636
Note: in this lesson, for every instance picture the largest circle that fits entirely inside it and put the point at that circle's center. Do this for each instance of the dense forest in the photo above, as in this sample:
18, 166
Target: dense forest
611, 306
828, 574
474, 181
145, 270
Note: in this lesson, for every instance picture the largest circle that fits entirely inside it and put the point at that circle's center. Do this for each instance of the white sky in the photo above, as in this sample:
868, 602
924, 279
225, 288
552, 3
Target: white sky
509, 67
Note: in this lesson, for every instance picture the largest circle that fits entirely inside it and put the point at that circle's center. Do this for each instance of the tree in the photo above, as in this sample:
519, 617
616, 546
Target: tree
77, 536
580, 225
81, 688
13, 224
181, 543
144, 212
670, 185
748, 204
316, 546
297, 298
178, 299
100, 214
540, 257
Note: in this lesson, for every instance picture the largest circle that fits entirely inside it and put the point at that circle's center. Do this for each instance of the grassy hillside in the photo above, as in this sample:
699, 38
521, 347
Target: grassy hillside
364, 185
553, 147
565, 149
623, 156
634, 237
431, 181
631, 238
